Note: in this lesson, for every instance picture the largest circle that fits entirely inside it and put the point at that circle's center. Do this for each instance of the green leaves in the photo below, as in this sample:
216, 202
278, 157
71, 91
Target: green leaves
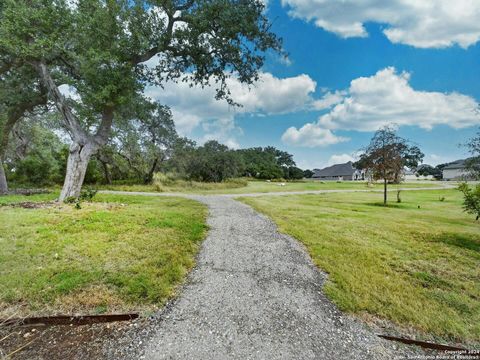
471, 199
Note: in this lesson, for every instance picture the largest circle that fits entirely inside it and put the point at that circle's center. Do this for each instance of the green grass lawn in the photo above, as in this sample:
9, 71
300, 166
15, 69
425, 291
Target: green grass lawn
13, 199
416, 263
118, 253
263, 187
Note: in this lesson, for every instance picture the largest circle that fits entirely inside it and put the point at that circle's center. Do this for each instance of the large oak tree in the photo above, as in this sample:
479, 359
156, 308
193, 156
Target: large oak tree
100, 48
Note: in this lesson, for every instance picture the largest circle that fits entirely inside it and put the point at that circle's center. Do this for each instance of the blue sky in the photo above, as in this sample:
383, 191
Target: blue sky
350, 70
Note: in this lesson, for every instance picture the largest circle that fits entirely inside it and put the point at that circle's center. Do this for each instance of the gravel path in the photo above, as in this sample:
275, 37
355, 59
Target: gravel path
255, 294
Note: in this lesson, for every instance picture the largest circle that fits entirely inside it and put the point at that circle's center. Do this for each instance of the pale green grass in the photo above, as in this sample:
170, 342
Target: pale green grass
416, 263
118, 253
264, 187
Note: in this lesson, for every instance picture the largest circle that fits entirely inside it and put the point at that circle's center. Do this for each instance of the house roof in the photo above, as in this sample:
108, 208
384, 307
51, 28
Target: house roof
459, 164
346, 169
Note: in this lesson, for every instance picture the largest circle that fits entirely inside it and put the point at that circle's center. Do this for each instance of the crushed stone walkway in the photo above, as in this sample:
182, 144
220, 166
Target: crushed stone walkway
255, 294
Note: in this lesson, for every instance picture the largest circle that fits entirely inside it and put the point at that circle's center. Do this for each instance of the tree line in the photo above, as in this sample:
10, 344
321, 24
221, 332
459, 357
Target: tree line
37, 154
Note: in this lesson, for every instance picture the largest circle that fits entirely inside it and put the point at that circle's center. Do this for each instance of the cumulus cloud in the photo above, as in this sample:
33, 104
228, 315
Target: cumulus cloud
386, 98
194, 107
311, 135
422, 23
328, 100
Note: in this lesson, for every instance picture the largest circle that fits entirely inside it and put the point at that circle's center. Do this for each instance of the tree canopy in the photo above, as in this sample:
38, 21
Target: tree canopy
387, 155
100, 49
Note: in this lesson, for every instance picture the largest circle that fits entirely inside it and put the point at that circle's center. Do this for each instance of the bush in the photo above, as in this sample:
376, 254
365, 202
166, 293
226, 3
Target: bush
88, 194
33, 170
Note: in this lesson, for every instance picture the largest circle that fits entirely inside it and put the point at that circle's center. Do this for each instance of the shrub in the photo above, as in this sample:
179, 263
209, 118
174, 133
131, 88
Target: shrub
88, 194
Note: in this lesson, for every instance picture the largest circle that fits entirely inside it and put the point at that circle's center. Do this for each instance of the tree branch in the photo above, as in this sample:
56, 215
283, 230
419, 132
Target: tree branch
69, 118
103, 131
137, 59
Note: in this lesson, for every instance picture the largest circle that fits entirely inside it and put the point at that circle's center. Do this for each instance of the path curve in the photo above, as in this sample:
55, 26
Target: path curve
255, 294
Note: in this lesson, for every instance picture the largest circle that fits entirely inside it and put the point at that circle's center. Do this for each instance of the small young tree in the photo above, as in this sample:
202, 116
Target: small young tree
387, 155
473, 164
471, 199
471, 196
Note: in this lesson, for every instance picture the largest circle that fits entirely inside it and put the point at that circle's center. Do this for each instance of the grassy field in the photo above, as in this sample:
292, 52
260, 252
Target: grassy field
262, 187
14, 199
115, 254
416, 263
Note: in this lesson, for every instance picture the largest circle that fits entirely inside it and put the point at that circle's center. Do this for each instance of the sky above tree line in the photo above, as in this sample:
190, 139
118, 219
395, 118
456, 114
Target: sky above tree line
352, 67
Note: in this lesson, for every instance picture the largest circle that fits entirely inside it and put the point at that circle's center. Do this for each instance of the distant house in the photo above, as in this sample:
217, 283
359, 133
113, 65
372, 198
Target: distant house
339, 172
456, 170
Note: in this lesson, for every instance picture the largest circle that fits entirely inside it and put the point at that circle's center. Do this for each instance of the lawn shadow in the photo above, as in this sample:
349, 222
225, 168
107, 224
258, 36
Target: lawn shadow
388, 205
468, 242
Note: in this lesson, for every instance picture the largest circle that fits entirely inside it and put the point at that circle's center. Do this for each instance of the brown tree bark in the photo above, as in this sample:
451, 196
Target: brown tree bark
149, 177
106, 172
3, 179
77, 164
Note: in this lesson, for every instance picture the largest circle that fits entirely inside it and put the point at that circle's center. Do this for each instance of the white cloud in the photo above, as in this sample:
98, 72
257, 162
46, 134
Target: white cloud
340, 159
194, 107
386, 98
420, 23
328, 100
311, 135
272, 95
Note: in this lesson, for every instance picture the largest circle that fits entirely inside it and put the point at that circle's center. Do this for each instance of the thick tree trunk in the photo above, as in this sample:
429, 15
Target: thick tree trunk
384, 191
76, 168
106, 172
3, 179
149, 177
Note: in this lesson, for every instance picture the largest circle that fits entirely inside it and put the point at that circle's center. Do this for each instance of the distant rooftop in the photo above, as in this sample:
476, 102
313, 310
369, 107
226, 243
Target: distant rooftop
346, 169
458, 164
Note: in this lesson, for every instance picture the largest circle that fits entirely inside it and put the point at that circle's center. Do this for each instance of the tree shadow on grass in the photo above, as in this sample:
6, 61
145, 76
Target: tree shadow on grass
467, 242
388, 205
